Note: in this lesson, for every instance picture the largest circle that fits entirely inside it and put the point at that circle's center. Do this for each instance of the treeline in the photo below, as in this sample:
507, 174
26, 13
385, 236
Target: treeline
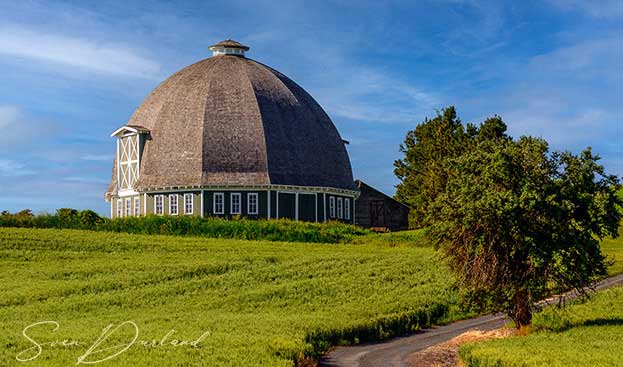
245, 229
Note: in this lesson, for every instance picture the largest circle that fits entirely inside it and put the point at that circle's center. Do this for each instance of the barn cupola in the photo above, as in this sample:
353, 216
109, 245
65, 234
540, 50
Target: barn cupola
228, 47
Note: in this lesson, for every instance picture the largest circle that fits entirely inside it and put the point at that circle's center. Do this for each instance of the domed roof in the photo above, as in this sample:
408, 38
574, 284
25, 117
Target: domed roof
231, 121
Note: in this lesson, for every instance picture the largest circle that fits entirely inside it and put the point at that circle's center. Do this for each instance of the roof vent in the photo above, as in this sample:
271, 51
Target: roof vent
228, 47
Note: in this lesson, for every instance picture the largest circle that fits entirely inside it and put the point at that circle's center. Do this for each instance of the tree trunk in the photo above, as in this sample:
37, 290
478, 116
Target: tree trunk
522, 310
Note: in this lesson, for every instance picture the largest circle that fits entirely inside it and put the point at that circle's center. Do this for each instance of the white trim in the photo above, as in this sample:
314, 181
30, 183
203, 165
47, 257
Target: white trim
281, 188
324, 206
268, 209
222, 196
177, 204
127, 207
331, 207
192, 203
144, 204
130, 129
231, 203
124, 193
156, 197
277, 205
296, 206
340, 208
138, 157
257, 203
316, 205
201, 193
118, 168
354, 212
111, 209
347, 208
119, 210
137, 207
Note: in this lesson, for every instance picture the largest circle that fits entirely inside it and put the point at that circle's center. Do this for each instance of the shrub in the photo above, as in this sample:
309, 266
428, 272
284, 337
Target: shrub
239, 228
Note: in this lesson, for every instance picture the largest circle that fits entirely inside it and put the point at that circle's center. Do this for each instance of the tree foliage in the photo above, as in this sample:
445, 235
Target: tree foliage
427, 150
516, 222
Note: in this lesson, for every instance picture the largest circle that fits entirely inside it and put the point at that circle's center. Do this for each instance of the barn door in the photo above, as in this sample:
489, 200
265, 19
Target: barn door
377, 214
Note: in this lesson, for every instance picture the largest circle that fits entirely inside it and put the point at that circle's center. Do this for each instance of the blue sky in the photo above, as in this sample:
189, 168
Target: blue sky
73, 72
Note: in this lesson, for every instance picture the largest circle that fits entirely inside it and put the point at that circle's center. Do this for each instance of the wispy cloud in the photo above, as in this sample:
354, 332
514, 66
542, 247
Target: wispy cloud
597, 8
97, 56
98, 157
12, 168
9, 115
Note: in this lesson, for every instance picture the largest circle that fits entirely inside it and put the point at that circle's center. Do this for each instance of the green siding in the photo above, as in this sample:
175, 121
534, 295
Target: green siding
286, 205
262, 202
320, 200
273, 204
307, 207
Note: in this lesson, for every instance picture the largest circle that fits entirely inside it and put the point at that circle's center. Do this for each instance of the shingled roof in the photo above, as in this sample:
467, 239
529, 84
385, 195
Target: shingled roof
230, 43
233, 121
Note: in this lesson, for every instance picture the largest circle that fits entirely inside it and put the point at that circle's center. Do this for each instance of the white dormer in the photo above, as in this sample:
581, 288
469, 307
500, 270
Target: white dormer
130, 142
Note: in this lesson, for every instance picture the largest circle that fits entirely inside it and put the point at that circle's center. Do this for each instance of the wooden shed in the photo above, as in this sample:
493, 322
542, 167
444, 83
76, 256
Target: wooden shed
374, 209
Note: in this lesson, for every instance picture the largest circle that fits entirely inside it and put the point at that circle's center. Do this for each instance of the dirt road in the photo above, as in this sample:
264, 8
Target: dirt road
395, 352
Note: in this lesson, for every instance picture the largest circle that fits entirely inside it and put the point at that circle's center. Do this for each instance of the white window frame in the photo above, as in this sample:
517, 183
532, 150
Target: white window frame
128, 207
172, 206
250, 209
161, 211
340, 208
137, 206
347, 209
220, 195
189, 203
237, 211
119, 208
331, 206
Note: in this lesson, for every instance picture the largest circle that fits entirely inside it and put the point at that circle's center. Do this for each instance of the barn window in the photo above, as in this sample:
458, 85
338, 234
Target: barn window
347, 209
173, 204
219, 203
188, 203
340, 211
137, 206
119, 208
159, 204
235, 203
252, 207
128, 207
332, 207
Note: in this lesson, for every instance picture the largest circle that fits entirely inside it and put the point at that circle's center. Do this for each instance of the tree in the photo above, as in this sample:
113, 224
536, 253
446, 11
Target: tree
422, 171
516, 222
427, 150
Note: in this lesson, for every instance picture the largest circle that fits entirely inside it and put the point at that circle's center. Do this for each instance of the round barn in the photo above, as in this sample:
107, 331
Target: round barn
229, 136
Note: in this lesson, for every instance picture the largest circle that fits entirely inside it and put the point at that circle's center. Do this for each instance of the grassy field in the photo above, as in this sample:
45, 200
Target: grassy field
614, 252
263, 303
584, 334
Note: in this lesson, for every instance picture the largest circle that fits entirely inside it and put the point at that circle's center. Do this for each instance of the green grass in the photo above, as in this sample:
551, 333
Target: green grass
613, 249
583, 333
264, 303
184, 225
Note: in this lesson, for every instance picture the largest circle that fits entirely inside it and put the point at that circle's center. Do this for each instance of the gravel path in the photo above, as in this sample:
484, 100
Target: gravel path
396, 352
